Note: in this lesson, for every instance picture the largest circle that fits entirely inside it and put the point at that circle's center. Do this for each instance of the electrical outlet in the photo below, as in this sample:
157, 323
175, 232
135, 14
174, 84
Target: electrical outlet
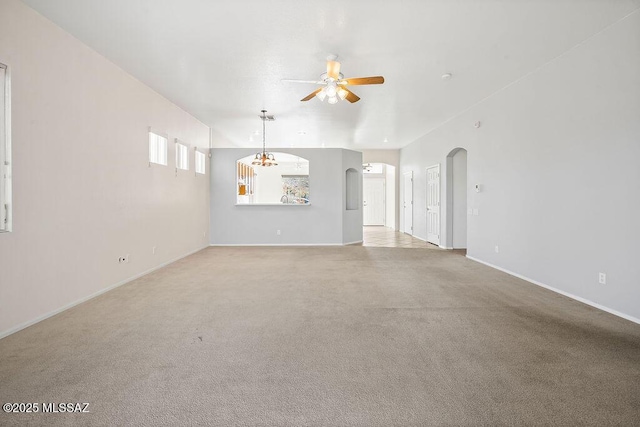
497, 249
153, 250
602, 278
278, 232
204, 234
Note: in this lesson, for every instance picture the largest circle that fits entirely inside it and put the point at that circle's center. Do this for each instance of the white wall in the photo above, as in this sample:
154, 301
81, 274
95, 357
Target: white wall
391, 203
83, 191
557, 156
321, 222
459, 178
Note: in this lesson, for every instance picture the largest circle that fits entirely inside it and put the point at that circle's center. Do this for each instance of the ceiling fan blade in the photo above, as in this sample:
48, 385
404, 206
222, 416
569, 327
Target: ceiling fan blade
311, 95
317, 82
333, 69
375, 80
351, 97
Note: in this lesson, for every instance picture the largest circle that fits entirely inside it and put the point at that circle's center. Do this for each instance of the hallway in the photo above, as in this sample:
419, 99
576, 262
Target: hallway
385, 237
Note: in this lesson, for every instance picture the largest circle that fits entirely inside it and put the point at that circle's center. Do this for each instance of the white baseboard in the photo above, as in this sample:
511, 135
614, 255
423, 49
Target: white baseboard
276, 244
356, 242
445, 247
87, 298
561, 292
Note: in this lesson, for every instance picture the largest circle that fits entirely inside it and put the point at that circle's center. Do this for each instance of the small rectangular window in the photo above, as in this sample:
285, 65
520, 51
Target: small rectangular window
200, 162
5, 150
157, 149
182, 156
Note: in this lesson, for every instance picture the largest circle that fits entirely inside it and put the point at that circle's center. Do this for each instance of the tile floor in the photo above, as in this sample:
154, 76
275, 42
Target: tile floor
385, 237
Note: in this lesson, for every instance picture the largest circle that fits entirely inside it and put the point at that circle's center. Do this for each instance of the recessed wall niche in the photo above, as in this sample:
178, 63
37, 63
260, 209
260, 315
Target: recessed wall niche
285, 183
352, 181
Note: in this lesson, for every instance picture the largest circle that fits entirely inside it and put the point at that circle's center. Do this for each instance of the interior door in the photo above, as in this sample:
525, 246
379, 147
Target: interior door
407, 205
373, 201
433, 204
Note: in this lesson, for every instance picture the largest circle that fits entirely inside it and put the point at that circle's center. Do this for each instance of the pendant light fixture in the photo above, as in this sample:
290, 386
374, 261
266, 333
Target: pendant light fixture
264, 158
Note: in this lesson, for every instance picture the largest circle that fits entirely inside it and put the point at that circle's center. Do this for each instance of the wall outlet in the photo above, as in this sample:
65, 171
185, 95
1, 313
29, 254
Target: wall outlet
497, 249
153, 250
602, 278
278, 232
204, 234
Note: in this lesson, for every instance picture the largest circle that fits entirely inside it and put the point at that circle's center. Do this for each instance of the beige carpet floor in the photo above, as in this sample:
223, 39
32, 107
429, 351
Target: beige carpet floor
346, 336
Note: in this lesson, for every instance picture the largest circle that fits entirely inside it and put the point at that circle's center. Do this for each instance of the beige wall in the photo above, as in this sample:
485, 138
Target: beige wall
390, 157
83, 192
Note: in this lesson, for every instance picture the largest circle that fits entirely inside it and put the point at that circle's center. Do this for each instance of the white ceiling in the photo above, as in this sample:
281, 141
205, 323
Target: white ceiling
223, 61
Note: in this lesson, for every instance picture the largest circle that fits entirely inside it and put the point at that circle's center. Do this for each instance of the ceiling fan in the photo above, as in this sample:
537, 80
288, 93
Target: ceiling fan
335, 85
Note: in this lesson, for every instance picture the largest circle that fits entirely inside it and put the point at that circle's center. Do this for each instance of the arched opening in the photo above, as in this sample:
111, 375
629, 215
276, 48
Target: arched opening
457, 199
284, 182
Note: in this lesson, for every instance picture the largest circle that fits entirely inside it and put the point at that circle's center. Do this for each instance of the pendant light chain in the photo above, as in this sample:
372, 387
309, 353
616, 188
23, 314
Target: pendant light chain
264, 132
263, 158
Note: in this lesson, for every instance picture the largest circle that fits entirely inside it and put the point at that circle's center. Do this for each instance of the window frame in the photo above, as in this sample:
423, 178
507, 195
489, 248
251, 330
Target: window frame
158, 159
6, 223
196, 163
181, 155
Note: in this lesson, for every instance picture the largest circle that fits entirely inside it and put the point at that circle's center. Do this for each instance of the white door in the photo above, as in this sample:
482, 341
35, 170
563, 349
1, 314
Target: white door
373, 201
407, 205
433, 204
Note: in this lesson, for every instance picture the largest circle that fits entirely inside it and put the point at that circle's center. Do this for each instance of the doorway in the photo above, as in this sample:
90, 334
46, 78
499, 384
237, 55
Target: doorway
433, 204
373, 201
457, 199
407, 205
379, 201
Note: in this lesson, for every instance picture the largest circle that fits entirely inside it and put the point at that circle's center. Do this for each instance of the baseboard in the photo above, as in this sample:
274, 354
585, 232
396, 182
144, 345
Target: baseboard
276, 244
355, 242
561, 292
445, 247
87, 298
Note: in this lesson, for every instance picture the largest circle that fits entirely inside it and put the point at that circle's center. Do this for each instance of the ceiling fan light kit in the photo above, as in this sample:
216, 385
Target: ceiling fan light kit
335, 84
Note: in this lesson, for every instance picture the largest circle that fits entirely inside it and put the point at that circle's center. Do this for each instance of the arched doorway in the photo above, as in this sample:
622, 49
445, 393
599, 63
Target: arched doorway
457, 199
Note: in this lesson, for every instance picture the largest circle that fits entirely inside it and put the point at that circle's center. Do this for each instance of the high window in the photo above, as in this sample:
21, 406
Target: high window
200, 162
157, 149
182, 156
5, 150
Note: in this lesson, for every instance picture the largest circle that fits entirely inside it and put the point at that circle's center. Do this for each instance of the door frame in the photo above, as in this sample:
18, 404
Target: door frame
439, 209
378, 179
404, 203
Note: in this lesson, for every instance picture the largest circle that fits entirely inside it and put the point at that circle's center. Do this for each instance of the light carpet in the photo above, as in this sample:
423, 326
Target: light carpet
344, 336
